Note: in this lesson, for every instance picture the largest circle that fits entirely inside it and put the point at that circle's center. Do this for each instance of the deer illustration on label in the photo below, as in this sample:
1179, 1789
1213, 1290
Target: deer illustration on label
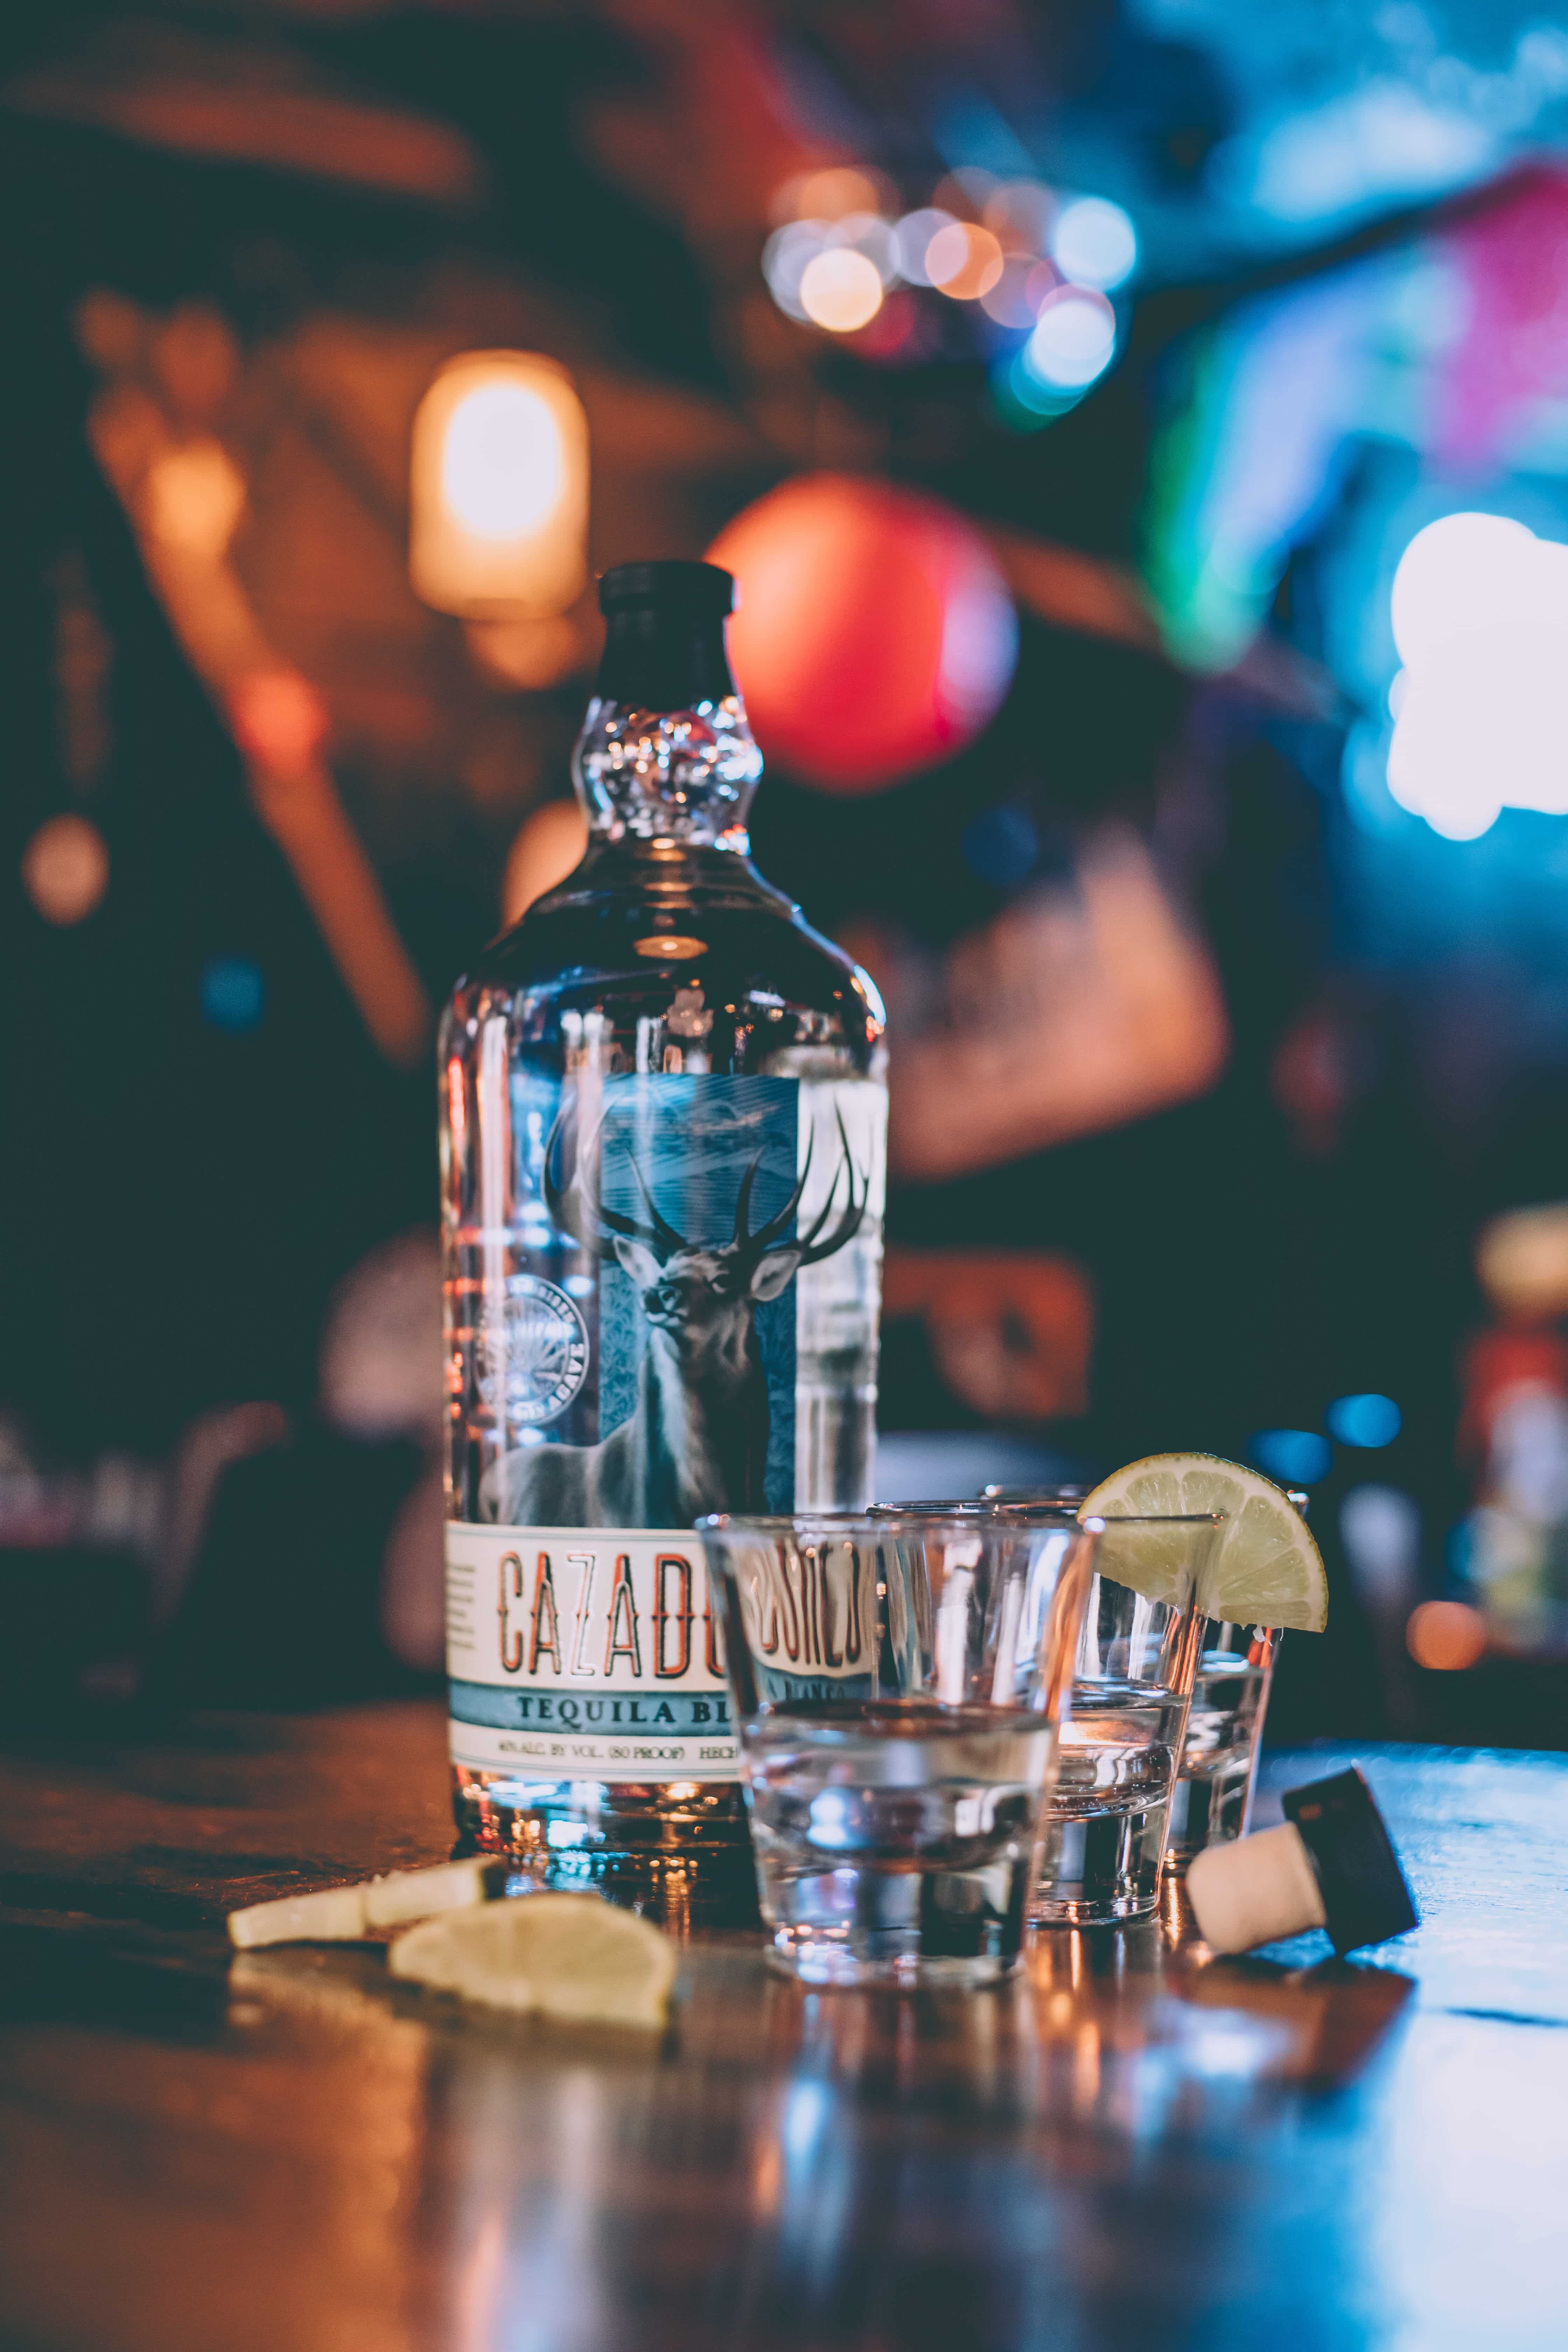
695, 1438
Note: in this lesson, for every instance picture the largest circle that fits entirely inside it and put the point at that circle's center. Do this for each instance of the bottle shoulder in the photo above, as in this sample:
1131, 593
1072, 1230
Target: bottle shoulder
638, 934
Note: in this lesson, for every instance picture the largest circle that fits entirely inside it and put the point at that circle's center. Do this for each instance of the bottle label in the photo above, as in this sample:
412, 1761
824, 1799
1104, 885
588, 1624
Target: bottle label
585, 1653
637, 1355
674, 1315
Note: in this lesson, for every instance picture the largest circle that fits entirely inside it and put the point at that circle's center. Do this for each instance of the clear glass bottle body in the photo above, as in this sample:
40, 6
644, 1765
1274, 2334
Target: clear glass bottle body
664, 960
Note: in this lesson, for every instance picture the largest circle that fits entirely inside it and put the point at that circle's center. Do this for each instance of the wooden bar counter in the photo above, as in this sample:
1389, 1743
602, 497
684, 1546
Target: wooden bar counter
280, 2152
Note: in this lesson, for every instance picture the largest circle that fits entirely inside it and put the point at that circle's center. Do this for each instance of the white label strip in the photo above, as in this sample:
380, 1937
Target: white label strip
586, 1653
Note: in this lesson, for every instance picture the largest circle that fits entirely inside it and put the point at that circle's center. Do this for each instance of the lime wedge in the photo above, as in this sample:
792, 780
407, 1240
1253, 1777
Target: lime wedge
569, 1956
1265, 1568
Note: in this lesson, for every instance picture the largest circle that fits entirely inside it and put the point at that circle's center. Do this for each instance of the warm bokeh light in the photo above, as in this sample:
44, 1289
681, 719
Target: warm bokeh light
875, 632
1446, 1635
1480, 613
964, 261
831, 193
1074, 340
499, 488
64, 869
549, 845
529, 656
873, 236
193, 499
1521, 1261
277, 719
1094, 243
841, 290
502, 465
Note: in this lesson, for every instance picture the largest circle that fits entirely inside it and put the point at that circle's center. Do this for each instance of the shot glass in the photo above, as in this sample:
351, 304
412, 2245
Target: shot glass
1105, 1823
899, 1682
1212, 1802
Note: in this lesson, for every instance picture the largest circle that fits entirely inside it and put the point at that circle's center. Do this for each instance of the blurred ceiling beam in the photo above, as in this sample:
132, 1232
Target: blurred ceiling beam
243, 102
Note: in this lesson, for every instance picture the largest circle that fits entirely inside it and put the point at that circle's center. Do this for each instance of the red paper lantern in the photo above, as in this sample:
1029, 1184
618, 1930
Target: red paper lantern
875, 633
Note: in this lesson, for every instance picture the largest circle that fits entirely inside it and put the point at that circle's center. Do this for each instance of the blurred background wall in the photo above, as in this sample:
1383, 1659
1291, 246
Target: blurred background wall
1140, 432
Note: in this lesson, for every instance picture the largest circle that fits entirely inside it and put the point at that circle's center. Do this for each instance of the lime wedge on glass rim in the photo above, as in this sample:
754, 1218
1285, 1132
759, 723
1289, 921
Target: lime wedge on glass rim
1265, 1568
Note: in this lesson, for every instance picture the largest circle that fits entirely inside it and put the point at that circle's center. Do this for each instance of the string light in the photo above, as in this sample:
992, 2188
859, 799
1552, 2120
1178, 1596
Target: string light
1009, 246
873, 236
964, 261
1094, 243
785, 259
912, 238
841, 290
1074, 340
831, 193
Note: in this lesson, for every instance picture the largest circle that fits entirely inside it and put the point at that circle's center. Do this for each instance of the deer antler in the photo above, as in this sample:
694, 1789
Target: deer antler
595, 1227
766, 1241
589, 1222
849, 1224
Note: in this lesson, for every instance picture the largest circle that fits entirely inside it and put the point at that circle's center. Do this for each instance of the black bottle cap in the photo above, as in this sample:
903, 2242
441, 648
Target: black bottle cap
686, 587
664, 636
1365, 1898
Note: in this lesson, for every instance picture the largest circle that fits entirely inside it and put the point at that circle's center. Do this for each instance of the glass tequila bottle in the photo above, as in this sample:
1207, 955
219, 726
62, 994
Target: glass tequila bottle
663, 1120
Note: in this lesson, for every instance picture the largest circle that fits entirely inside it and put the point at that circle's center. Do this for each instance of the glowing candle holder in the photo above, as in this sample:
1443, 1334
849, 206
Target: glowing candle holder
498, 497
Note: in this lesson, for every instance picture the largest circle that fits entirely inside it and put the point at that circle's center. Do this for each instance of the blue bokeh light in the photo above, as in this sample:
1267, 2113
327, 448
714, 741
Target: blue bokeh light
1094, 243
1295, 1457
232, 994
1368, 1421
1000, 846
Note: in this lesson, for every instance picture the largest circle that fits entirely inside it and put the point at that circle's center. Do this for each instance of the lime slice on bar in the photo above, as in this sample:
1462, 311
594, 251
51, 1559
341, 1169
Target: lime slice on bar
569, 1956
1265, 1568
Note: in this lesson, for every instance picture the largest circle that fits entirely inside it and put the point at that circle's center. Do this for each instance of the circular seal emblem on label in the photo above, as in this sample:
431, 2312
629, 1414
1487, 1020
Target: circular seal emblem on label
546, 1352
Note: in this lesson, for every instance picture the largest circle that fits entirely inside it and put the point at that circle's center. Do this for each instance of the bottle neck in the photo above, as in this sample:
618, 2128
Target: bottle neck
665, 752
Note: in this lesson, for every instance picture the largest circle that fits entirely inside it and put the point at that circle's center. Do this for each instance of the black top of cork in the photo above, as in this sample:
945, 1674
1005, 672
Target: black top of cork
1365, 1898
689, 587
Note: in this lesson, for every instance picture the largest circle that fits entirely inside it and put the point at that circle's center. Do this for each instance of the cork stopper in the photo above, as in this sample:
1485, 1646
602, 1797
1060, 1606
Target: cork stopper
1258, 1891
1330, 1864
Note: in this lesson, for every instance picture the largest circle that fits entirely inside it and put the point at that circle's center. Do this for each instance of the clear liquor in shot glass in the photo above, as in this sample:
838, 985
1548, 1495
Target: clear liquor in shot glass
1212, 1803
899, 1682
1104, 1826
